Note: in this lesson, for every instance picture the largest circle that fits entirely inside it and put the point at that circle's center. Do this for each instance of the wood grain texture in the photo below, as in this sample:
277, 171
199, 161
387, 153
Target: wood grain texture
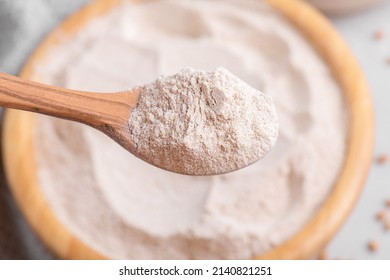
21, 170
107, 112
93, 109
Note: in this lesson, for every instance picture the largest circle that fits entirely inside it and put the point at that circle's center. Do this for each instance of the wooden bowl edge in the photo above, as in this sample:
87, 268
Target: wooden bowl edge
301, 245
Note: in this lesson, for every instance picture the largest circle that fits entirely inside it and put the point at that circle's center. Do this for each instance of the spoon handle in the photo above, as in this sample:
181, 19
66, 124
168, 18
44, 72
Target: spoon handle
94, 109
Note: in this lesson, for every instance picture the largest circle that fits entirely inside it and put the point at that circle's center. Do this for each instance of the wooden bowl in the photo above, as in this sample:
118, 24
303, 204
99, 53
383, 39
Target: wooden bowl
21, 170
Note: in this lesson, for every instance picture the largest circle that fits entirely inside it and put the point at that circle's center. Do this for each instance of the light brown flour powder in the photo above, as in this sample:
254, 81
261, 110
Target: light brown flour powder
202, 123
125, 208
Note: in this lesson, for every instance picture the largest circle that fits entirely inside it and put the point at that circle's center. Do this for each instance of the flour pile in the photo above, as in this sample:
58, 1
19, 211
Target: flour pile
202, 123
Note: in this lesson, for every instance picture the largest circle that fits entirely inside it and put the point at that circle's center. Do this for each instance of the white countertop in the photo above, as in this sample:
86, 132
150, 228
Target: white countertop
362, 226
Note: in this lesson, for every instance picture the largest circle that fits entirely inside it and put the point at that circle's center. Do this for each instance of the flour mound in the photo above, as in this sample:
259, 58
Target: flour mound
203, 123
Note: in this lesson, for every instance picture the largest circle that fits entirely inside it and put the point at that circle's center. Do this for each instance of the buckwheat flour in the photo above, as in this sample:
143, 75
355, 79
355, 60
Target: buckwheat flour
201, 123
123, 207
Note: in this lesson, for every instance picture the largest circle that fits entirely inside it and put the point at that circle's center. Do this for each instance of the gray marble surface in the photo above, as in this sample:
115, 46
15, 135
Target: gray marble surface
24, 23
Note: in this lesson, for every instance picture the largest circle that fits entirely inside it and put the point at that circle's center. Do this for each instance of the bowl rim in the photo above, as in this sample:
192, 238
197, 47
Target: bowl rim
308, 241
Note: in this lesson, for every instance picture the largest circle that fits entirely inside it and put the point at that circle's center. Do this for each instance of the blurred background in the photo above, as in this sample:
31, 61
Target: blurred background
23, 24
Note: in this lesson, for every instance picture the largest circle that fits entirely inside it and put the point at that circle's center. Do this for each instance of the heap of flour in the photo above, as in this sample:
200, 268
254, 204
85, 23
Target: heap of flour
202, 123
125, 208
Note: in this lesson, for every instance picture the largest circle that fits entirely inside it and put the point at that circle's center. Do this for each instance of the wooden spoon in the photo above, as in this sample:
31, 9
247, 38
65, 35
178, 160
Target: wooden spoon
110, 113
107, 112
